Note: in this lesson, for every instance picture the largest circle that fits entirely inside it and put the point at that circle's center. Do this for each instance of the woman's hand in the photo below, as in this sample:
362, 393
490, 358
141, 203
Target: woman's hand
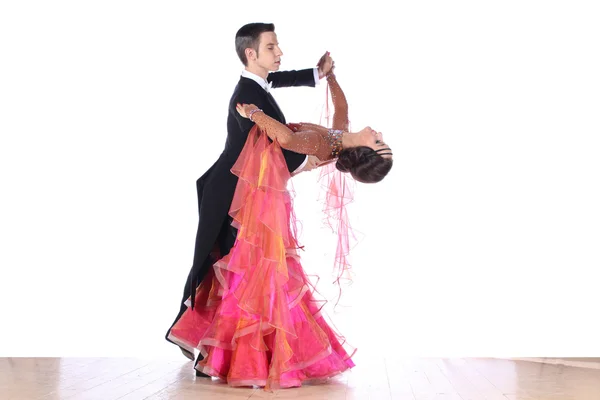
244, 109
325, 65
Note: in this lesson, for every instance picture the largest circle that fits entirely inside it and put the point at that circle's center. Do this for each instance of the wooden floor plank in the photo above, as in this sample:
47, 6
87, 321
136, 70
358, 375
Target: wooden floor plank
389, 378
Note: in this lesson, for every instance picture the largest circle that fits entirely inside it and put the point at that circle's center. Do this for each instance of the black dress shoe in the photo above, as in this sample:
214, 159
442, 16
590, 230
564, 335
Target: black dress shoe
187, 353
201, 374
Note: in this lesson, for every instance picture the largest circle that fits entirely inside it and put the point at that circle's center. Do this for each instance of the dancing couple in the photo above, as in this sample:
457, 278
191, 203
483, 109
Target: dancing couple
248, 308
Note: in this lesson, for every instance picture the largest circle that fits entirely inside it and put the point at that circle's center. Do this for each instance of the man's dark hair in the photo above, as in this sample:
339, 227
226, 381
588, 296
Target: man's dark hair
248, 36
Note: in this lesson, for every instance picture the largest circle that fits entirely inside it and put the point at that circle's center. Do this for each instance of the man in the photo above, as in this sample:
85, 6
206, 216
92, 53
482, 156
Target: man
258, 49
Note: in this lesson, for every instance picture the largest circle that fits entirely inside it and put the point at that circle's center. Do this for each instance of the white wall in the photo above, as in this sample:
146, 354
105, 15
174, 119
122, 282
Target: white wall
482, 241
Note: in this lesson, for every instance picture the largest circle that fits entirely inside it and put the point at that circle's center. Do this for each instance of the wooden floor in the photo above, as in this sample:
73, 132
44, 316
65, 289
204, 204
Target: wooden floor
373, 378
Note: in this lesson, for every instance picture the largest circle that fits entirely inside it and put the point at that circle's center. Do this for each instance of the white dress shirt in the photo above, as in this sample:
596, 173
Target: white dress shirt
267, 87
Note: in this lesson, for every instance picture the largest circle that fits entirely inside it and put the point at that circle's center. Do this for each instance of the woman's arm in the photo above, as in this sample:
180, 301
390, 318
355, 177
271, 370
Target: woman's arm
305, 142
340, 104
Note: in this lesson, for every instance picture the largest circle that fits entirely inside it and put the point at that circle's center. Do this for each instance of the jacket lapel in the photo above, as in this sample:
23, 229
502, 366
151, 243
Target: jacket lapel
252, 85
273, 103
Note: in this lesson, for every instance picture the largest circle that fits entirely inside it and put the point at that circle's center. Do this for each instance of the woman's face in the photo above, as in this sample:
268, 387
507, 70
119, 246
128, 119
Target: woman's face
374, 140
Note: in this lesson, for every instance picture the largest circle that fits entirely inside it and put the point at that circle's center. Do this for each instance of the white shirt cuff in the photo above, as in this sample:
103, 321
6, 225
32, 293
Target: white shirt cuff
301, 166
316, 72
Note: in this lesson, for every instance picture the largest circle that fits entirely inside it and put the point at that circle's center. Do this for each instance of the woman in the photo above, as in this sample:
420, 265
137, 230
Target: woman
255, 320
364, 154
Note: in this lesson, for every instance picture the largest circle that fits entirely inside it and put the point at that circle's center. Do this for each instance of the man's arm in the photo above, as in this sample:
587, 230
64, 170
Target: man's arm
245, 124
311, 163
304, 77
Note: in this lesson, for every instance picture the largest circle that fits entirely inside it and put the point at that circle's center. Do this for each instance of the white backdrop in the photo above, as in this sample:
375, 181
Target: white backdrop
483, 240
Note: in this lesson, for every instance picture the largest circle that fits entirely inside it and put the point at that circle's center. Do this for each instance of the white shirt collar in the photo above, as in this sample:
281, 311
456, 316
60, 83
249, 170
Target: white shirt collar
263, 83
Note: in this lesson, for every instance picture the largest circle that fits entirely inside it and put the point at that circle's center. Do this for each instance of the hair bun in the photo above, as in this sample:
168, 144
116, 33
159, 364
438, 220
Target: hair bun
345, 161
342, 166
364, 164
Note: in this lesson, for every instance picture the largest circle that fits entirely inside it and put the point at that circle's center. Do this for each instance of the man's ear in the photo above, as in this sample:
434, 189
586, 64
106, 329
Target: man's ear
250, 53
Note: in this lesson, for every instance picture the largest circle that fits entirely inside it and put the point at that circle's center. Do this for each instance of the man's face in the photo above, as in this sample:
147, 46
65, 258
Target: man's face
269, 53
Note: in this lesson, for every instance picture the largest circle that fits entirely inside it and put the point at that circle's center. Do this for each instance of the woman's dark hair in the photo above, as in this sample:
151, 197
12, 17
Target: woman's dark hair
364, 164
249, 36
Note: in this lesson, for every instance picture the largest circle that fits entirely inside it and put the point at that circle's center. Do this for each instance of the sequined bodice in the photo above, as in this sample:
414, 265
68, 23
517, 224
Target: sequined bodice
334, 138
